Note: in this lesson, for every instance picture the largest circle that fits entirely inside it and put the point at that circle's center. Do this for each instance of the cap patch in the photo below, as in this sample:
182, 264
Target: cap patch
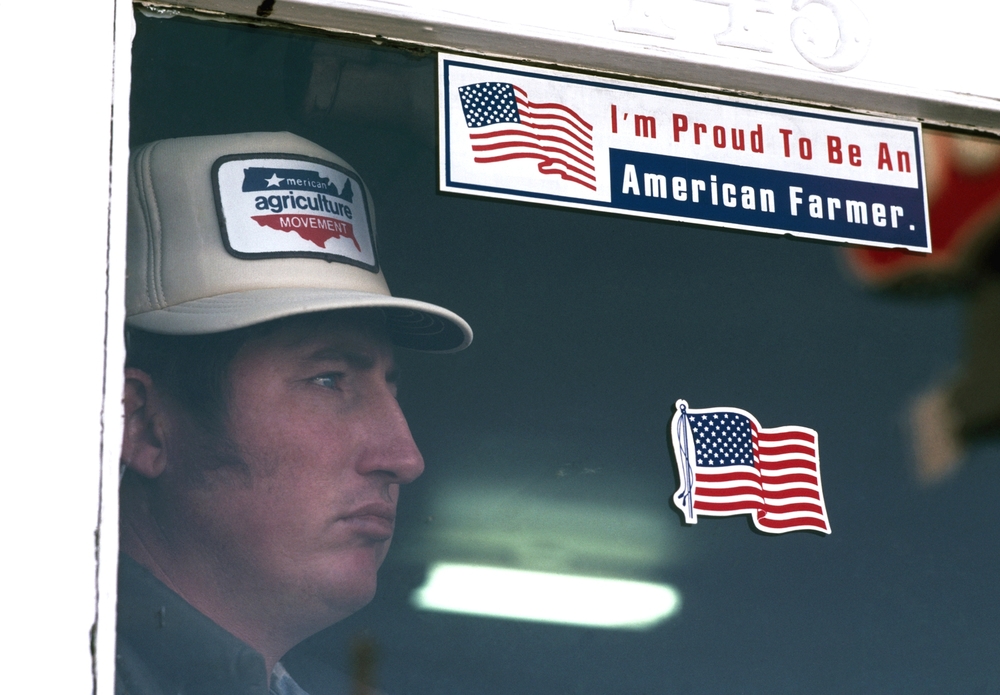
286, 206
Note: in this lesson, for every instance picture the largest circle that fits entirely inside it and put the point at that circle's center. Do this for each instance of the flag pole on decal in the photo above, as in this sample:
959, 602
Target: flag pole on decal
684, 498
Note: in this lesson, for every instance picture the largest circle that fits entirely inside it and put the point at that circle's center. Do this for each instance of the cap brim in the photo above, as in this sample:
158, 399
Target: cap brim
411, 324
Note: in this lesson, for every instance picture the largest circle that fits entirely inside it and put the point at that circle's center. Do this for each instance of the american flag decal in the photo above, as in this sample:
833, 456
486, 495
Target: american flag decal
507, 125
730, 465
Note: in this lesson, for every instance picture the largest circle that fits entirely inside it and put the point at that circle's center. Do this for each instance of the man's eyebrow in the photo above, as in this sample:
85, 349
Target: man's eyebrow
358, 360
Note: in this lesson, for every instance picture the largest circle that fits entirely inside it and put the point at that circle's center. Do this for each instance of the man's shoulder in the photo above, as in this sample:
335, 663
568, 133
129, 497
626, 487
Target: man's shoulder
165, 646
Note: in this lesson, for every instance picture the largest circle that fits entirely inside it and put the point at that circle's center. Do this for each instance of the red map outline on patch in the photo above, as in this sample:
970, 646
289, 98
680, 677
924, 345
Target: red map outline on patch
315, 228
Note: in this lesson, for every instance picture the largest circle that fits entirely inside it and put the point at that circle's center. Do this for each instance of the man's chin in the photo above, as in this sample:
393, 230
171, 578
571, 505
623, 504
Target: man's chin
347, 600
352, 583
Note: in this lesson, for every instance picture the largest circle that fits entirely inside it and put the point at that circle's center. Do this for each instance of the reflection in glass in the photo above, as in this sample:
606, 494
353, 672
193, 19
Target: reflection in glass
566, 599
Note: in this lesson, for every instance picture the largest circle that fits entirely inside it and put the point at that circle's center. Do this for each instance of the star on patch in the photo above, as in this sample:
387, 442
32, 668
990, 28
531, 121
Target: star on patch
274, 180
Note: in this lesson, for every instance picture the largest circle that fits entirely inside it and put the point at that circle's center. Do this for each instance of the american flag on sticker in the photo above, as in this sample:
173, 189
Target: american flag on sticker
729, 464
506, 125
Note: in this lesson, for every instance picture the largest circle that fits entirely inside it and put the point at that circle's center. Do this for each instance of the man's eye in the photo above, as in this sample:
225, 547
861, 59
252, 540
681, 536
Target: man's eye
328, 381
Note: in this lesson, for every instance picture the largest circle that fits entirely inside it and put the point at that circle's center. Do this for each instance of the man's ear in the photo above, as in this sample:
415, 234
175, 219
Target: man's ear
145, 425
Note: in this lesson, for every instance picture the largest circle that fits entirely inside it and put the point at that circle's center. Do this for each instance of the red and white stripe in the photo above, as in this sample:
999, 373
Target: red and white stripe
788, 460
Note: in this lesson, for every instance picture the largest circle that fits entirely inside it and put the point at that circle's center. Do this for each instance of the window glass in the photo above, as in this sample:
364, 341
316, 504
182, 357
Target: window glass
546, 442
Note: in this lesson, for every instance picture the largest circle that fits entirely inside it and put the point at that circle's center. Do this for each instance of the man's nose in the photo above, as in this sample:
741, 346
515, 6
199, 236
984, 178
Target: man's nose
391, 451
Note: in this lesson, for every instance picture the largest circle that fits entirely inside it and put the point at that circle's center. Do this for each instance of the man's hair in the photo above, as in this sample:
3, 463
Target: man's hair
193, 370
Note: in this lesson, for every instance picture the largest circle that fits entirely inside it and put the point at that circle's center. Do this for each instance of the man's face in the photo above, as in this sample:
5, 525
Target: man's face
312, 416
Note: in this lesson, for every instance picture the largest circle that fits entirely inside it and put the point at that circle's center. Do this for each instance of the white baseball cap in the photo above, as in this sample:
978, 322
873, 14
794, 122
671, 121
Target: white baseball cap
227, 231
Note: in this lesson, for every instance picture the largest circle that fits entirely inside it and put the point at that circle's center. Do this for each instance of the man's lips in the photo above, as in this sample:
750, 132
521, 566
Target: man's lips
376, 520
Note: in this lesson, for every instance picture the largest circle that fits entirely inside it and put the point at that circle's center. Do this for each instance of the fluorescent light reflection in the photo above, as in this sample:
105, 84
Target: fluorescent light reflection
544, 597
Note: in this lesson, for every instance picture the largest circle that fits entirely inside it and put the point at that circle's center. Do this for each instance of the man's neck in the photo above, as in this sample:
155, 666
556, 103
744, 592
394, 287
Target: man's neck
195, 581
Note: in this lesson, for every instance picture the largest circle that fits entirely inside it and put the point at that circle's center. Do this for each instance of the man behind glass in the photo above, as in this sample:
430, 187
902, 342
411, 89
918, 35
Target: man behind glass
264, 446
